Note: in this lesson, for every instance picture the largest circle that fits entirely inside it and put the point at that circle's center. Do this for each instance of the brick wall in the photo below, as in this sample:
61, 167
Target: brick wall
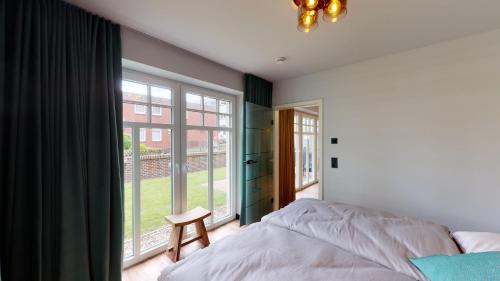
158, 165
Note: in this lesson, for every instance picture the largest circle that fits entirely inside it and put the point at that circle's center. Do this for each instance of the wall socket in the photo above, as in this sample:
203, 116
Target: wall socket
335, 163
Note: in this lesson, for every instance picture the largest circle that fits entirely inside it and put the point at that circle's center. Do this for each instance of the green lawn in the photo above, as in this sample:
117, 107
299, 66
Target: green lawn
155, 199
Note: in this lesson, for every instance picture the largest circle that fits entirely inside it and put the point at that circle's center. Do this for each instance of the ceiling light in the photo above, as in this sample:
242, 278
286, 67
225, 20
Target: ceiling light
308, 11
311, 4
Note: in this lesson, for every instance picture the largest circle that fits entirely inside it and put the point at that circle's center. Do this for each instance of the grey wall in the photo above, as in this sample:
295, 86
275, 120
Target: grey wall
419, 132
147, 50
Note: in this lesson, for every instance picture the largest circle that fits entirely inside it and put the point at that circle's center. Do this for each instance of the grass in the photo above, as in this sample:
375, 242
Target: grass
155, 199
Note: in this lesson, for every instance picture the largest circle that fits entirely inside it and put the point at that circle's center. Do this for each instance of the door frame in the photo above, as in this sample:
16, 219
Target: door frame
276, 108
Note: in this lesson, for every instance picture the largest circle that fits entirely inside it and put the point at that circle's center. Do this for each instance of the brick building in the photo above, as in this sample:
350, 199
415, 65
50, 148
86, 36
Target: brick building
156, 138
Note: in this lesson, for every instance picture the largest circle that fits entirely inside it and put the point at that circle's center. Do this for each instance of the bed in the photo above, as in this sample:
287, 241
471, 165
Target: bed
316, 240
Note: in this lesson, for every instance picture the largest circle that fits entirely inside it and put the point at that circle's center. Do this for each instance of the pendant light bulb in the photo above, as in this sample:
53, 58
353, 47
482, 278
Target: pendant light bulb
311, 4
308, 20
334, 10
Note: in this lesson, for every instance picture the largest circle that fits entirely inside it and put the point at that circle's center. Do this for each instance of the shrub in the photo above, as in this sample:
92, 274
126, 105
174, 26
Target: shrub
127, 142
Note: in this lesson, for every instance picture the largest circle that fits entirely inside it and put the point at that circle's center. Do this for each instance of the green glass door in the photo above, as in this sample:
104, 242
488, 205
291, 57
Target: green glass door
257, 167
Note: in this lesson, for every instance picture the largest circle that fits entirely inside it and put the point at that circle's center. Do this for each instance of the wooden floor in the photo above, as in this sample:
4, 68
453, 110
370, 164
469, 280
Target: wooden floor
310, 192
150, 269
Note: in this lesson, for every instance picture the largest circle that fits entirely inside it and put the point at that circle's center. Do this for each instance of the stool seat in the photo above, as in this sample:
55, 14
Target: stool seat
188, 217
178, 222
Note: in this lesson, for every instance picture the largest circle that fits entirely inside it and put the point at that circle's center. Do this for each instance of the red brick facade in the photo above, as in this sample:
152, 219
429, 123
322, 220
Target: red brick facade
163, 116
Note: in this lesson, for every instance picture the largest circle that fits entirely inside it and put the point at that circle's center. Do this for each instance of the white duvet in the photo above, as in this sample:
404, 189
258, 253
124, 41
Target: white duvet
316, 240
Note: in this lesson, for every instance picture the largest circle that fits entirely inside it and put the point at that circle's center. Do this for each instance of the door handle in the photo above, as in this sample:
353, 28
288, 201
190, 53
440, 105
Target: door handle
249, 162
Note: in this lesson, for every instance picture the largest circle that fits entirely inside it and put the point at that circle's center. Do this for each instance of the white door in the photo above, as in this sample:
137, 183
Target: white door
176, 157
208, 152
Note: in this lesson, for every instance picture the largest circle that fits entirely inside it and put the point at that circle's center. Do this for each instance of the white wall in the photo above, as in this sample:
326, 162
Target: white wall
139, 47
419, 131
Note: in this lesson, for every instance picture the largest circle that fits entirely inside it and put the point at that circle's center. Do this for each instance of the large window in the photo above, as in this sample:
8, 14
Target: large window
178, 155
306, 157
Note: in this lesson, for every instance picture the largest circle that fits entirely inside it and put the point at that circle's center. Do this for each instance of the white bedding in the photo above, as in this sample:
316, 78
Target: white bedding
315, 240
266, 252
378, 236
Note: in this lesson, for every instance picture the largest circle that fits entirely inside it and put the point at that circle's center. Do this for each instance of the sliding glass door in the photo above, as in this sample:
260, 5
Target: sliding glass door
178, 153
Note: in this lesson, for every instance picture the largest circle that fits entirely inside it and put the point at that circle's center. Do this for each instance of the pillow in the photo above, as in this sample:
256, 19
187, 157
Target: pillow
464, 267
477, 242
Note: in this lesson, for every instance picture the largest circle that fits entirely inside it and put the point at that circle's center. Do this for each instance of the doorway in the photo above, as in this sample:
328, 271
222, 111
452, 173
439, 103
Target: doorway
307, 148
306, 135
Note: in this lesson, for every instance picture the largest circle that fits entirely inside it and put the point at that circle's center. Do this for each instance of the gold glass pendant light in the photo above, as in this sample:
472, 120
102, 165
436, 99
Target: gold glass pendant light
308, 12
308, 19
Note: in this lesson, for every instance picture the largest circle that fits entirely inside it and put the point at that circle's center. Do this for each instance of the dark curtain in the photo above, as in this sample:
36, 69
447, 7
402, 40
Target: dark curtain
61, 210
258, 91
286, 158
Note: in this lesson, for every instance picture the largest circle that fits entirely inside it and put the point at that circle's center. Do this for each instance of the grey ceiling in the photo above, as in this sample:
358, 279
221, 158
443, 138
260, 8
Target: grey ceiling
249, 35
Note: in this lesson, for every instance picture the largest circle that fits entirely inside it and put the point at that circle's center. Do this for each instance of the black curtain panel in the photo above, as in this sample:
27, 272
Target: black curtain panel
258, 90
61, 170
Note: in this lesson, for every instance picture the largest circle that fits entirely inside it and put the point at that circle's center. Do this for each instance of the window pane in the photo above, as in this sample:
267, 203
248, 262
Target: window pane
307, 154
161, 96
155, 190
161, 115
222, 172
197, 171
224, 107
134, 92
313, 159
210, 119
210, 104
193, 101
224, 121
194, 118
297, 160
133, 112
197, 166
128, 242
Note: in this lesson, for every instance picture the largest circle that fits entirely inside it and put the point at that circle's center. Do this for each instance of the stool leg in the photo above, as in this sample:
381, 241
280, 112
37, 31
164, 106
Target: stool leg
176, 242
202, 231
171, 240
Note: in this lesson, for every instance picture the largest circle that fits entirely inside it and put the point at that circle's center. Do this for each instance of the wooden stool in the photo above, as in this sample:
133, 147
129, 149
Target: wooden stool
178, 222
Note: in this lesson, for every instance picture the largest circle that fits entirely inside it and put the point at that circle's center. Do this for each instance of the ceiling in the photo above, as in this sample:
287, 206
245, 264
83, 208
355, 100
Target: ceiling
249, 35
